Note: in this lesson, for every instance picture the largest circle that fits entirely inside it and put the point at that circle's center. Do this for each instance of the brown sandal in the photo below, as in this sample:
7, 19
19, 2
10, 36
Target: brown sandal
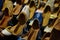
6, 19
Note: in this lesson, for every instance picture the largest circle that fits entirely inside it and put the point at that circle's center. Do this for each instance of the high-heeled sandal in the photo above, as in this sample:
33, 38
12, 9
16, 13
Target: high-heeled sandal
8, 4
32, 34
39, 12
55, 34
47, 12
32, 9
6, 19
18, 28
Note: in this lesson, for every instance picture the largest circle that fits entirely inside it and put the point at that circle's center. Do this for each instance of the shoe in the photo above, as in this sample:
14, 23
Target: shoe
47, 13
33, 32
38, 13
26, 10
22, 17
6, 19
8, 4
18, 28
56, 31
16, 12
32, 9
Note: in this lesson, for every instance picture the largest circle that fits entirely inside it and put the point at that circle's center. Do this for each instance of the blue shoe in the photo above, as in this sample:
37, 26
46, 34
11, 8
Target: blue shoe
38, 15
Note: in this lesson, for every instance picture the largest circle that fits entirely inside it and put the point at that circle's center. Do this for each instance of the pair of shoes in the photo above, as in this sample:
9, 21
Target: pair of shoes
18, 28
22, 19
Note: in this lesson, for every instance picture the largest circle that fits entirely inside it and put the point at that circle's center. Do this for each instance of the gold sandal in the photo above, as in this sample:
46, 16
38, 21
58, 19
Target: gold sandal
47, 13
